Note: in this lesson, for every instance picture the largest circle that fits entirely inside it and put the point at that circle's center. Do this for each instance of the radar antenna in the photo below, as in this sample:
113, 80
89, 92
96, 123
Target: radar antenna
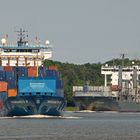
21, 37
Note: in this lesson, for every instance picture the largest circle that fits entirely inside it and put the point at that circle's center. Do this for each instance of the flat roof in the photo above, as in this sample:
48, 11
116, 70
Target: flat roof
14, 47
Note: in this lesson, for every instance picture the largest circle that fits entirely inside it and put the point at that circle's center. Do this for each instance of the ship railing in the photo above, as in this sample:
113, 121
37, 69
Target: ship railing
26, 46
108, 68
94, 94
92, 89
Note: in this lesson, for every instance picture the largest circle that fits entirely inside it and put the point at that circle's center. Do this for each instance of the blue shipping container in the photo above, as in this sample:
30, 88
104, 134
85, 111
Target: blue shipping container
59, 84
15, 69
52, 73
3, 96
10, 75
12, 84
22, 71
2, 76
1, 68
42, 72
36, 85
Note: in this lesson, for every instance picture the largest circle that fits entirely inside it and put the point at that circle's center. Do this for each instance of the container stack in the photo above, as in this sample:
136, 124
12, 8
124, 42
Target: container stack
3, 86
8, 68
12, 92
22, 71
32, 72
2, 76
11, 79
52, 67
42, 72
59, 87
22, 81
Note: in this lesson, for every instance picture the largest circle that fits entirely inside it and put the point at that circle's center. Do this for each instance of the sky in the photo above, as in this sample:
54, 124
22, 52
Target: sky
80, 31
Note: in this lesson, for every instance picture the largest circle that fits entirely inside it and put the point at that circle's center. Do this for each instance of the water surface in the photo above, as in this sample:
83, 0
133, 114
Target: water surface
73, 126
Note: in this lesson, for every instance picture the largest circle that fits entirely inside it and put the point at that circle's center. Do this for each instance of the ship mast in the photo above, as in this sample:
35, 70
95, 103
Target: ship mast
122, 57
120, 80
21, 35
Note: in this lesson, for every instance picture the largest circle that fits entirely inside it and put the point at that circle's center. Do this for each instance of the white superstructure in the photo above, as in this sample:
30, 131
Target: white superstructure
24, 54
113, 72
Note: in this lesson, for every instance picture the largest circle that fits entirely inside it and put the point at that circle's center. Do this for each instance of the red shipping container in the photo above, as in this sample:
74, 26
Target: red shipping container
114, 87
53, 67
3, 86
12, 92
32, 71
8, 68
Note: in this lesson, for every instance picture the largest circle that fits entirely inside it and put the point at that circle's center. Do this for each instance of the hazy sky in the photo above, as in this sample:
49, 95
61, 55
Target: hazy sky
80, 31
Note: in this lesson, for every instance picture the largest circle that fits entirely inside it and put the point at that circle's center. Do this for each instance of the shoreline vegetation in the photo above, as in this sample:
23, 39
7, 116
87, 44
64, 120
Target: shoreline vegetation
71, 108
78, 74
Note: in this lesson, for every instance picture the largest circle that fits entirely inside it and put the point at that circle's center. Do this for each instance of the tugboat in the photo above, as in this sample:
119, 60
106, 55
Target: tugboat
26, 86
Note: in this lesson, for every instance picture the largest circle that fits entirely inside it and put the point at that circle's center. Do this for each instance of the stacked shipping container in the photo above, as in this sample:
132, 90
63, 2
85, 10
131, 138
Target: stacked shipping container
22, 71
52, 67
2, 76
8, 68
3, 86
32, 71
12, 77
12, 92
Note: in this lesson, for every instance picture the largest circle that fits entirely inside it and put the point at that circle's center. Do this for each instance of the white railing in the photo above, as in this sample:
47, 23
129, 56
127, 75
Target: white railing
93, 94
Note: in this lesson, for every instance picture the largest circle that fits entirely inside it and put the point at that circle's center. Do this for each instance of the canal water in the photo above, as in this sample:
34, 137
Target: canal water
73, 126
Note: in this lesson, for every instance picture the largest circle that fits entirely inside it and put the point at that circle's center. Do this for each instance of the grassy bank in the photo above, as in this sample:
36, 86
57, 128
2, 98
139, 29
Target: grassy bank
71, 108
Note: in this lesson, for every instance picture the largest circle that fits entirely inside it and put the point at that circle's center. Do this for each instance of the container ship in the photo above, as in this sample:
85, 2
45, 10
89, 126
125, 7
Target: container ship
123, 95
26, 86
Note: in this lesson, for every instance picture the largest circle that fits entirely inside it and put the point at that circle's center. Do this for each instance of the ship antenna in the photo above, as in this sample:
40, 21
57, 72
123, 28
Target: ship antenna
122, 57
21, 37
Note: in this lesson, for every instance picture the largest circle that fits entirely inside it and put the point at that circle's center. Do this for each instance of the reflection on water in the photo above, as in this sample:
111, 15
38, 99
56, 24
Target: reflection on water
82, 125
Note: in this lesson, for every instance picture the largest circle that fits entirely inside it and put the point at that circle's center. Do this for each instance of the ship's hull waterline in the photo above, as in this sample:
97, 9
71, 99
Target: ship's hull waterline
33, 105
106, 104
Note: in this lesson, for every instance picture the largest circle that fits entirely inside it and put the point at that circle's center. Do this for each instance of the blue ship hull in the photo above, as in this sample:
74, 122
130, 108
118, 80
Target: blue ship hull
32, 105
42, 95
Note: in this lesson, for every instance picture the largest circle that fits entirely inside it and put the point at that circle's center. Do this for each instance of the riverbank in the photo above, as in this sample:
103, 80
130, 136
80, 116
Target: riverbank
71, 108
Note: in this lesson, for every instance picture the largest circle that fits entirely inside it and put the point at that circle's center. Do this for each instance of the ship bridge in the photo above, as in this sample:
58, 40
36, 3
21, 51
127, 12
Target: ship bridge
24, 54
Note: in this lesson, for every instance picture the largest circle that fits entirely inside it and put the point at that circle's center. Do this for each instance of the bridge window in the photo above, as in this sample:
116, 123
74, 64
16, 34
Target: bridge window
7, 50
35, 51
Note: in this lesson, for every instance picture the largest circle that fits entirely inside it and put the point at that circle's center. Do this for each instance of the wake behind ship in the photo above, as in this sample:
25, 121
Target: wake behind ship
27, 87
